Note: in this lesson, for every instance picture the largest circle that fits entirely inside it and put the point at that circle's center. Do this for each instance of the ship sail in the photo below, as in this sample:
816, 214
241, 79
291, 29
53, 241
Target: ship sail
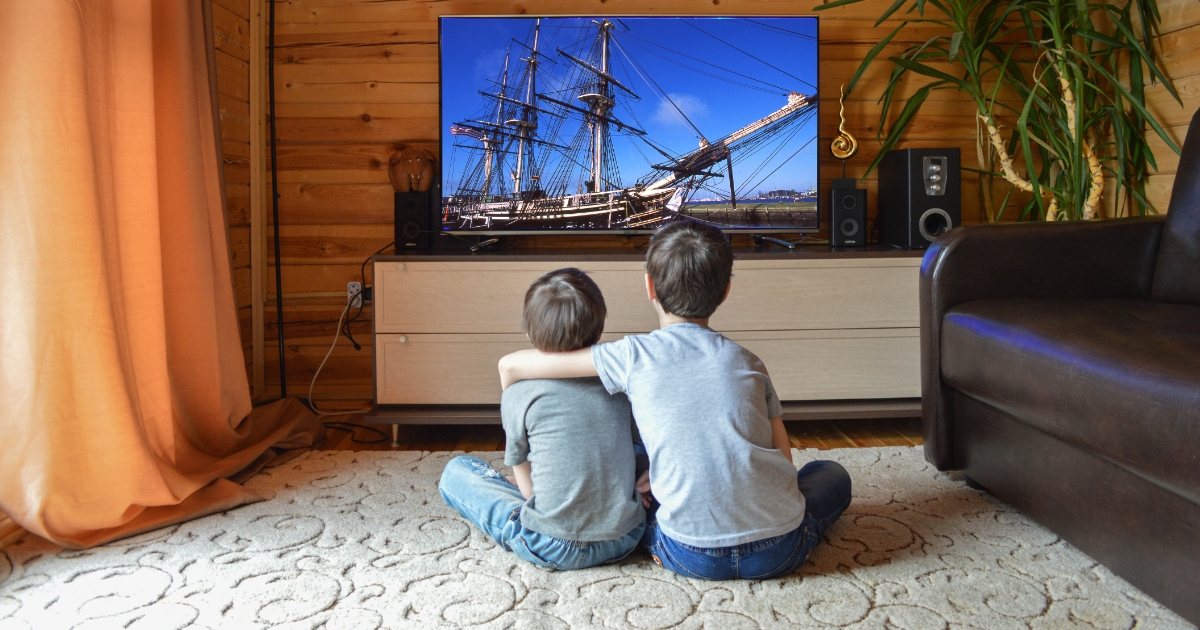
526, 170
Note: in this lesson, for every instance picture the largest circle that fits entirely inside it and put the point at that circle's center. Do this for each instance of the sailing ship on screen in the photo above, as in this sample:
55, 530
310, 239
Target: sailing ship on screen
624, 124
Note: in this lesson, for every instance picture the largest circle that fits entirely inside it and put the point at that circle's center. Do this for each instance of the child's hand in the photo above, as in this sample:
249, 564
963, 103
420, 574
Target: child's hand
643, 488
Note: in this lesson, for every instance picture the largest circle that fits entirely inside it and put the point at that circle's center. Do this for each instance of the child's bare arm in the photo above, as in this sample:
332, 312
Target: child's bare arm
525, 365
779, 437
522, 479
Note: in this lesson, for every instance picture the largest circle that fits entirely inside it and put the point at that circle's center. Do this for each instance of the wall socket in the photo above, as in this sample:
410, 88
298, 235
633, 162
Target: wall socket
354, 294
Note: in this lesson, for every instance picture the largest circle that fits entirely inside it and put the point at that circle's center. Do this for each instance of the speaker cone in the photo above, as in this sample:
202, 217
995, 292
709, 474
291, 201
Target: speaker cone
933, 223
411, 230
848, 227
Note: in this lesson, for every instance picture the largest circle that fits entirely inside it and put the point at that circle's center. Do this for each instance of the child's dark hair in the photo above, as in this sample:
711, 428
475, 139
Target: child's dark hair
690, 263
564, 310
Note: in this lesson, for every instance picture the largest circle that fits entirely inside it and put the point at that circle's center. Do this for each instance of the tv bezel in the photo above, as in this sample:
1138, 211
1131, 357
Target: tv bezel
606, 231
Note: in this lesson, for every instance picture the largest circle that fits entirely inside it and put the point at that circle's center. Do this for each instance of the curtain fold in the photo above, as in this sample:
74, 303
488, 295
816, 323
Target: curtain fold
125, 403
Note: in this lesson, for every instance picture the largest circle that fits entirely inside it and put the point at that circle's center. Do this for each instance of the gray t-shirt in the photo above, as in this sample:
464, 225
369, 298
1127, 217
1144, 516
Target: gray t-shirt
578, 440
703, 405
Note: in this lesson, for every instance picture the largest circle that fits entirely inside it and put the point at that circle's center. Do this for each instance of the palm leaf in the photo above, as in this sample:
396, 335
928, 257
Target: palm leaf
835, 3
921, 68
887, 14
871, 54
906, 115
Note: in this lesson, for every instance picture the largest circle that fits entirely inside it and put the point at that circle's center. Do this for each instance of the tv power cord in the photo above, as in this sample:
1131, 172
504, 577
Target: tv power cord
341, 426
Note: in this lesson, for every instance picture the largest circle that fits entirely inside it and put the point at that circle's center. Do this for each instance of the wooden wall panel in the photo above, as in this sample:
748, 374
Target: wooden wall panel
357, 79
1178, 47
231, 36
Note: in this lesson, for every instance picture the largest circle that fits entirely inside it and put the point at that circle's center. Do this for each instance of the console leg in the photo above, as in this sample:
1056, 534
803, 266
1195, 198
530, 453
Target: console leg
395, 435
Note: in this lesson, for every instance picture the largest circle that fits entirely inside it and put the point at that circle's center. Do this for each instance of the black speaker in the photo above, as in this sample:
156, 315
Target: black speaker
847, 214
414, 213
920, 195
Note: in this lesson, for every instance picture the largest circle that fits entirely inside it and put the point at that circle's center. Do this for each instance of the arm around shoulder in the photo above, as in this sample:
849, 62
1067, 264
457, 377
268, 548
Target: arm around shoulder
524, 365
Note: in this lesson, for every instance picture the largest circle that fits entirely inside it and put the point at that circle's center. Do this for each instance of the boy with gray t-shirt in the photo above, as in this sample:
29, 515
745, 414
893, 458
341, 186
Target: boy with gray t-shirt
729, 502
570, 445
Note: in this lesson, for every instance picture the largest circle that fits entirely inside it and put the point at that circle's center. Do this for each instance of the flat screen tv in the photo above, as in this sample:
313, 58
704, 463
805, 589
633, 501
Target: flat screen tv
623, 124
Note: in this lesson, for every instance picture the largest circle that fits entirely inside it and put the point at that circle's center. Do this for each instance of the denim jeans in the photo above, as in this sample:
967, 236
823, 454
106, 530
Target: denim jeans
482, 495
826, 489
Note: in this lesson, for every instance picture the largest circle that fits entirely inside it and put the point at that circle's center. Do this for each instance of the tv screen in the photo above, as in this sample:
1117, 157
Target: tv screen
623, 124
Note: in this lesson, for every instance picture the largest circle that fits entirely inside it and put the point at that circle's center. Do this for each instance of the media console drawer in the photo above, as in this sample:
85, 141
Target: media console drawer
486, 297
828, 327
430, 369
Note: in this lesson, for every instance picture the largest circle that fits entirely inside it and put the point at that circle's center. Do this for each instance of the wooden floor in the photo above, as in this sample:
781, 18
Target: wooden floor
354, 436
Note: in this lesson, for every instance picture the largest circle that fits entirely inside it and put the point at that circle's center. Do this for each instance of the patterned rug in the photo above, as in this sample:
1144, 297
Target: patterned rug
363, 541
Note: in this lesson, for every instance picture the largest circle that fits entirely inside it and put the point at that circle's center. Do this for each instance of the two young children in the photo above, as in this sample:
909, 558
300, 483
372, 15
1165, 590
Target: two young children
722, 496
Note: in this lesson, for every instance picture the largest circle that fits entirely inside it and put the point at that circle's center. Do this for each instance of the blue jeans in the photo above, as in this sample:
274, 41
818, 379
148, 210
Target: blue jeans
484, 497
826, 489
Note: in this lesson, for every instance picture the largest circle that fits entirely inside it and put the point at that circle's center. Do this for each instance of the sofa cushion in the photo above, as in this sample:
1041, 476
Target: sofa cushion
1118, 378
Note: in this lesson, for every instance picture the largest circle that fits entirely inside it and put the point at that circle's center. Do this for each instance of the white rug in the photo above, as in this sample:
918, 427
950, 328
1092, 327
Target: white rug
363, 541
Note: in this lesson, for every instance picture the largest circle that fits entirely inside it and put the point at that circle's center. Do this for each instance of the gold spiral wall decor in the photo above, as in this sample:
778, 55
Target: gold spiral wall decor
844, 145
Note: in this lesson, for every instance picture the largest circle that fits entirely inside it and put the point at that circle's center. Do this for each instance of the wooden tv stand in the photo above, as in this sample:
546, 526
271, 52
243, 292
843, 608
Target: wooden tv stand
838, 331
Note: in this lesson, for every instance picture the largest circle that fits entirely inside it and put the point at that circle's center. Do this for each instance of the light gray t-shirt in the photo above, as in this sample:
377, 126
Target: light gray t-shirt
578, 440
703, 405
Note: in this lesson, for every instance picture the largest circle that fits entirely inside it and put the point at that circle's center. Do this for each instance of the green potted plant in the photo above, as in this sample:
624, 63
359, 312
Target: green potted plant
1068, 76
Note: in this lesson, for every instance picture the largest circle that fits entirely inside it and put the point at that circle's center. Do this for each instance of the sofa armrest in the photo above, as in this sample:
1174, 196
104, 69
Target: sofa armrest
1103, 259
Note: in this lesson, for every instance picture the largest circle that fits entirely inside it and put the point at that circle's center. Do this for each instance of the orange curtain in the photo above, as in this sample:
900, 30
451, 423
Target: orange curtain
124, 404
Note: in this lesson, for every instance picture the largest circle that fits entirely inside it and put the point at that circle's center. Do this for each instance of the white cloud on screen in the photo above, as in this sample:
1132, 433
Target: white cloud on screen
693, 107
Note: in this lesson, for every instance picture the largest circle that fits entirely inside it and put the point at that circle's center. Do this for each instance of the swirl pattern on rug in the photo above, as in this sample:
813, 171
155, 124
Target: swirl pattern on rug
363, 541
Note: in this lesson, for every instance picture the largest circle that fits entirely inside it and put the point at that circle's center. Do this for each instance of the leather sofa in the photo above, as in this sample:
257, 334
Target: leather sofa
1060, 369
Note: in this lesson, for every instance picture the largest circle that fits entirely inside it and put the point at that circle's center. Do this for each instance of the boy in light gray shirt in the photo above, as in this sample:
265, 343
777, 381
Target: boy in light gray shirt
731, 503
571, 502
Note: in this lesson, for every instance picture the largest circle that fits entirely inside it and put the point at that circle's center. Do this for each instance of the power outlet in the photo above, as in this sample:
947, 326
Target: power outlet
354, 294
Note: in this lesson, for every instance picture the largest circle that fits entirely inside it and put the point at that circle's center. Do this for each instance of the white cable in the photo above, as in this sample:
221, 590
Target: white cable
336, 336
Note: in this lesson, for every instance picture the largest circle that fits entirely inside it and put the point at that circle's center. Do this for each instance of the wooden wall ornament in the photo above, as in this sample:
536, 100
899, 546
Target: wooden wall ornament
411, 170
844, 146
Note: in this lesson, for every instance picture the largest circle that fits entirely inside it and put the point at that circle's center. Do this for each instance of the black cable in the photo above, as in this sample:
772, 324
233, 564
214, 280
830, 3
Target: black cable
350, 428
275, 199
362, 303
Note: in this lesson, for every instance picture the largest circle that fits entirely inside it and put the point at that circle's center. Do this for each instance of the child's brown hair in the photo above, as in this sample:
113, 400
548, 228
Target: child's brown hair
564, 310
691, 264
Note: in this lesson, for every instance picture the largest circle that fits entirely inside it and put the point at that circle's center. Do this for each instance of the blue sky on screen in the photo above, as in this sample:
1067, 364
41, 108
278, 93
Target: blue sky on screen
473, 51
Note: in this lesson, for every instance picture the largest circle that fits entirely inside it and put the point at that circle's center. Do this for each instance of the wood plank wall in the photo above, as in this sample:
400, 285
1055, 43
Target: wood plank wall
358, 79
231, 22
1178, 47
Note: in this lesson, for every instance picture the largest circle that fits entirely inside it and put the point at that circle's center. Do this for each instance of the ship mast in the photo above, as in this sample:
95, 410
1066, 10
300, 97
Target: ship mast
488, 142
601, 102
528, 121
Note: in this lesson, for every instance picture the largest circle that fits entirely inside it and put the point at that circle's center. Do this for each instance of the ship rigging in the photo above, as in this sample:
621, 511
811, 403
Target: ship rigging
522, 171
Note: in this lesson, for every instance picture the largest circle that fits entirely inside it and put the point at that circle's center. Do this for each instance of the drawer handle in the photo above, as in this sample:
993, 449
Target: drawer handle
401, 339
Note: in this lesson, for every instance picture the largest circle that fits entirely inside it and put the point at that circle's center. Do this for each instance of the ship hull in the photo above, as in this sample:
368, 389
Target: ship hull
614, 210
